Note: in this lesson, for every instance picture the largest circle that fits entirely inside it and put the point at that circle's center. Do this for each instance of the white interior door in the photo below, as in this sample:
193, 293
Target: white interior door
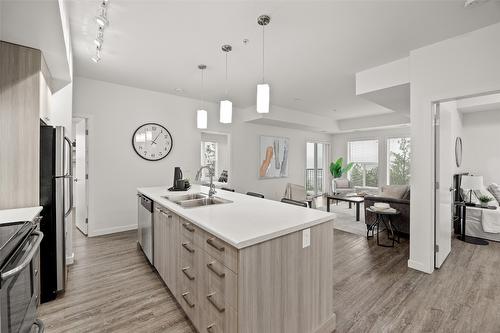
80, 176
444, 181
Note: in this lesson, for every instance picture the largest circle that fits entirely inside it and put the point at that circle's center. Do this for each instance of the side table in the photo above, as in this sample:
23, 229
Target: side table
383, 217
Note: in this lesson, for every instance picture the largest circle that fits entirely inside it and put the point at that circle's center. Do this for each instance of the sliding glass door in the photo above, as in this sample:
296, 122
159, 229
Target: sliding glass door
317, 155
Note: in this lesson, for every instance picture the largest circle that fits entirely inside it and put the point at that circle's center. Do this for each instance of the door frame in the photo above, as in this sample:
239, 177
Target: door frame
435, 152
88, 159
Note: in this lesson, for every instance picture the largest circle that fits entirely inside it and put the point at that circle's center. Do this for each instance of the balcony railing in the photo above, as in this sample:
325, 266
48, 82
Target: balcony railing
310, 174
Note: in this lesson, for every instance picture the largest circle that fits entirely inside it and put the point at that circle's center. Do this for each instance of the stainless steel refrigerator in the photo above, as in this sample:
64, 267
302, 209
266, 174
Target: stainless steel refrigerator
56, 197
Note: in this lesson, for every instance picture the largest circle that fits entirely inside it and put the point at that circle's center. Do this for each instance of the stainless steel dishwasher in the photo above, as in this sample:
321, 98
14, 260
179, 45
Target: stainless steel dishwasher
145, 226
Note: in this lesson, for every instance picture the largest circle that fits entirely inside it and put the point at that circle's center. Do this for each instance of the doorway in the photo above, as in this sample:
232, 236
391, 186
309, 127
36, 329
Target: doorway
215, 149
80, 170
461, 128
317, 155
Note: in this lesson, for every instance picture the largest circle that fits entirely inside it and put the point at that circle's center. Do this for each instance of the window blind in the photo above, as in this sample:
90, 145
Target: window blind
363, 151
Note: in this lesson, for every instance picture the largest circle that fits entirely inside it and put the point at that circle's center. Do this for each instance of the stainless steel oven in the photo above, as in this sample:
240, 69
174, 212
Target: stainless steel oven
19, 277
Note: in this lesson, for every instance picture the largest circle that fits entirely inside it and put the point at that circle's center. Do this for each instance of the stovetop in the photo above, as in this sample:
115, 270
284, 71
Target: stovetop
12, 234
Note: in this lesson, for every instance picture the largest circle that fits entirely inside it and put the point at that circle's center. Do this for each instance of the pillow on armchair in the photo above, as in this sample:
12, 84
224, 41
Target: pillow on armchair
341, 183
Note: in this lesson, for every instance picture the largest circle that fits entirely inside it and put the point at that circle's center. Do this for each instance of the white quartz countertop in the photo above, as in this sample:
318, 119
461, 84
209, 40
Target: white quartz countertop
245, 221
19, 214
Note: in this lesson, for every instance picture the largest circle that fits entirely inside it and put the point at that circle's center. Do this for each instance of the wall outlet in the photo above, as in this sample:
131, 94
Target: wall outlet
306, 237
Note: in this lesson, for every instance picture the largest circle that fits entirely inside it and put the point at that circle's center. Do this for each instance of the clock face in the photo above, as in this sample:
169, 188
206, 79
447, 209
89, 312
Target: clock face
152, 142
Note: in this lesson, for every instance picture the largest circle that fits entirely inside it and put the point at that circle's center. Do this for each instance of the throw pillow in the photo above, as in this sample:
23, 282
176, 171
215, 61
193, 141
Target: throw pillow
494, 189
394, 191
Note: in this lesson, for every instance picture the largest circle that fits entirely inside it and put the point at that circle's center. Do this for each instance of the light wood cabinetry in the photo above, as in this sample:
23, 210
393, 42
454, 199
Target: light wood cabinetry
24, 95
274, 286
165, 251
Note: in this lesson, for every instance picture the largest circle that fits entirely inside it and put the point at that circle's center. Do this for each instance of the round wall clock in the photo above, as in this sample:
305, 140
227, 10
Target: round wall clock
152, 141
458, 151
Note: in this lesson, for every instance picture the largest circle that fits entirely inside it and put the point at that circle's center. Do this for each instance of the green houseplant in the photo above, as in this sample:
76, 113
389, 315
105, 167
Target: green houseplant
484, 199
337, 170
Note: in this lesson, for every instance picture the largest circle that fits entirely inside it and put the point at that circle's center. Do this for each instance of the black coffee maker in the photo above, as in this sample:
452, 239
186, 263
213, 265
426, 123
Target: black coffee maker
180, 184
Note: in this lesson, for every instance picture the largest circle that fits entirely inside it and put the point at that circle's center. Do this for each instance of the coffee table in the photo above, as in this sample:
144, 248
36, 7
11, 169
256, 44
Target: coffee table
351, 200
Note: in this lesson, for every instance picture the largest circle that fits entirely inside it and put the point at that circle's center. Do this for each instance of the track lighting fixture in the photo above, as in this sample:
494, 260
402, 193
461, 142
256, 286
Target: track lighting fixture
102, 18
102, 22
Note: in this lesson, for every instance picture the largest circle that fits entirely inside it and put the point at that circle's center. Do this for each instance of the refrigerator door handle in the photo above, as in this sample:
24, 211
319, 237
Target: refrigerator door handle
69, 175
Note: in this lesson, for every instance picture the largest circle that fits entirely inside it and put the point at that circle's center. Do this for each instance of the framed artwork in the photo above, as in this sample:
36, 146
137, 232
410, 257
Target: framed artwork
273, 157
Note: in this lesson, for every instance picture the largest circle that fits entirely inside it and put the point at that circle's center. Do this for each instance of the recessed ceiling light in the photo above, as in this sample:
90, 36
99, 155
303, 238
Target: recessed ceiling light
179, 90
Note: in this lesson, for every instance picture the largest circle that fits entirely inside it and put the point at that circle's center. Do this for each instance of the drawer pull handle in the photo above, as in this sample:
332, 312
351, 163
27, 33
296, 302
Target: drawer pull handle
211, 242
210, 299
188, 227
184, 270
184, 296
211, 267
187, 247
210, 328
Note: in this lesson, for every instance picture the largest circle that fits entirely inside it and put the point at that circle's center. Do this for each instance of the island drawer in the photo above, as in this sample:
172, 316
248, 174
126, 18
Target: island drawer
214, 321
221, 283
188, 229
219, 250
189, 303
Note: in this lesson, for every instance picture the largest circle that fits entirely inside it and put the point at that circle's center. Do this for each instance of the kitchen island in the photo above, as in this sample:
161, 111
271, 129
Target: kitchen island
245, 265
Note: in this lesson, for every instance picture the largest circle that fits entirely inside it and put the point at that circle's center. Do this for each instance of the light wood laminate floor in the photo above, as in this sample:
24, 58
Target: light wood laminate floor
111, 288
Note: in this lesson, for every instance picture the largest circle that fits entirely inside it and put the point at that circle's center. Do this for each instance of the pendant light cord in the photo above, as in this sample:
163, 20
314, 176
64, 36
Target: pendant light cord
226, 75
263, 49
202, 89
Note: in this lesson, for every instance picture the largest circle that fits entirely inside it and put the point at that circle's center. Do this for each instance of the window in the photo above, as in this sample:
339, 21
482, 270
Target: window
316, 169
364, 154
398, 161
209, 155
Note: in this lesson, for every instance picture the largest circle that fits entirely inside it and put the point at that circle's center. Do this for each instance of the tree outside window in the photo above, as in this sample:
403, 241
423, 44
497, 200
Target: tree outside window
364, 154
209, 155
399, 160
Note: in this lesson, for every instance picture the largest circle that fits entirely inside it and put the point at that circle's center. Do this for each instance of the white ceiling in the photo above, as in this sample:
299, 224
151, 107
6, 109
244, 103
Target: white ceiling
38, 24
313, 48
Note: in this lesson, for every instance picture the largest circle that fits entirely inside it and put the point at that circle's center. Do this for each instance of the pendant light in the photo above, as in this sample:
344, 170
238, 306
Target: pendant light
226, 106
263, 89
201, 113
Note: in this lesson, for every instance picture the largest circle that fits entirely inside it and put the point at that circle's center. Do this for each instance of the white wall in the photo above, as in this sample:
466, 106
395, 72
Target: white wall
339, 145
481, 155
462, 66
115, 171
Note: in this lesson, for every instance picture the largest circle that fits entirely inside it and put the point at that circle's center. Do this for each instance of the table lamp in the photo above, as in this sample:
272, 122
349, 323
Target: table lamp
471, 183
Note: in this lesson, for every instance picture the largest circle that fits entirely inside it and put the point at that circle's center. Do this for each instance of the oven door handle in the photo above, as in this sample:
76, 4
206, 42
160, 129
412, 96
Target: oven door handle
26, 262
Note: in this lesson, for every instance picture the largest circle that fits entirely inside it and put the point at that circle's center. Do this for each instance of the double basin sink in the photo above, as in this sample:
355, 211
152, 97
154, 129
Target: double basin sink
195, 200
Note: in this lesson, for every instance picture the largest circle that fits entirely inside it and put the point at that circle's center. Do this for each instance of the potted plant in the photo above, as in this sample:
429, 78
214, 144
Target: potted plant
484, 199
337, 170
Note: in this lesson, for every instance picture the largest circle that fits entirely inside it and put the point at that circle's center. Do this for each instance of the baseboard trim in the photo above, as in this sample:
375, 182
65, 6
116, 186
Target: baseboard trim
70, 260
419, 266
113, 230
